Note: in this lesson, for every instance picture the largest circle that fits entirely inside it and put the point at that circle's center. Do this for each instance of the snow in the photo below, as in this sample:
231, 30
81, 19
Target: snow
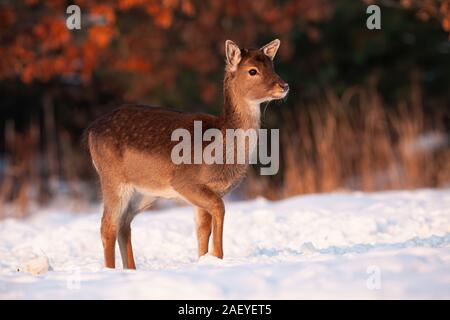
384, 245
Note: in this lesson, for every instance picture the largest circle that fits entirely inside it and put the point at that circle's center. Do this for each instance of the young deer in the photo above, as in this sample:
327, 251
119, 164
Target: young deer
131, 150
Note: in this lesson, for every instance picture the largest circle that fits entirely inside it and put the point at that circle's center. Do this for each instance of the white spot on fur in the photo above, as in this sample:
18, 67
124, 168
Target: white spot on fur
125, 193
166, 193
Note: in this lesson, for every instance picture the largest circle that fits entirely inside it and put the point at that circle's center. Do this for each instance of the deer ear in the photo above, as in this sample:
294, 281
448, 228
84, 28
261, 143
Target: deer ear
233, 54
271, 48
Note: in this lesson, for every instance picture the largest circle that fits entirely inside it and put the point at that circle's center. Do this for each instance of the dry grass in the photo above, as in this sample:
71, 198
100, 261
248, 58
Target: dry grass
357, 142
351, 142
37, 168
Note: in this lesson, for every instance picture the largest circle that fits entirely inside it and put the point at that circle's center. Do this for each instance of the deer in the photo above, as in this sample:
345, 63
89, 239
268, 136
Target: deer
130, 148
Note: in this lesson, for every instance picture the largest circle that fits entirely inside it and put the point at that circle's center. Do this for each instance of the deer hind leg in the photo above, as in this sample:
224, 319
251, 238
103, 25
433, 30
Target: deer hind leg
137, 204
108, 232
115, 202
203, 224
203, 197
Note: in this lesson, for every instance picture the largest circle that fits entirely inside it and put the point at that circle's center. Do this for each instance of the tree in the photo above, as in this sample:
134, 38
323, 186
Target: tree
139, 36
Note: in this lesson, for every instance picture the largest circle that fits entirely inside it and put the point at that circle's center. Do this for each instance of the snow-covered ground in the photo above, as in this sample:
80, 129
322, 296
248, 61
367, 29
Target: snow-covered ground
355, 245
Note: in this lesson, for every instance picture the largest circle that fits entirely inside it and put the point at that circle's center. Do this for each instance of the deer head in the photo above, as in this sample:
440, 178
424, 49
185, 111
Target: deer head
251, 72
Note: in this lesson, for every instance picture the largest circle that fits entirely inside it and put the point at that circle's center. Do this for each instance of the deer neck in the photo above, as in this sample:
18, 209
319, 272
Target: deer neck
238, 112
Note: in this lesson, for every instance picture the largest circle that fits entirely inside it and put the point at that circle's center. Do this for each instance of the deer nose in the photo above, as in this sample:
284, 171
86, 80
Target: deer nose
284, 86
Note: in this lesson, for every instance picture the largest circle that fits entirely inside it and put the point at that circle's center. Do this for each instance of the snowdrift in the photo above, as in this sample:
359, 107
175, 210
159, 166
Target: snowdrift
355, 245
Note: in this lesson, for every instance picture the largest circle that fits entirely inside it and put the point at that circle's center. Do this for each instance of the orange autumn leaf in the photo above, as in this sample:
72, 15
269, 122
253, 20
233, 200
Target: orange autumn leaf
52, 33
27, 74
7, 17
164, 18
101, 35
104, 11
446, 24
187, 7
128, 4
145, 33
133, 64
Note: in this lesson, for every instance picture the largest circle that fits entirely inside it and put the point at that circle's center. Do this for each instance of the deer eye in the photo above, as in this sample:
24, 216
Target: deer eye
252, 72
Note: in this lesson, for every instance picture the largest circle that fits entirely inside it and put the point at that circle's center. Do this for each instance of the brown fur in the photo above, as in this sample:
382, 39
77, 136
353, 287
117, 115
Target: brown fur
131, 151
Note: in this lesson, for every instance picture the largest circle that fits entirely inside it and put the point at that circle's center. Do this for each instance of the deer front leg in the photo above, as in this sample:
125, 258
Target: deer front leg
203, 197
203, 223
217, 226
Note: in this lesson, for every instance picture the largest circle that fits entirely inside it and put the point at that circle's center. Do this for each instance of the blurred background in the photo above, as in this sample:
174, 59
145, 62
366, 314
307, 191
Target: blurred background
368, 109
